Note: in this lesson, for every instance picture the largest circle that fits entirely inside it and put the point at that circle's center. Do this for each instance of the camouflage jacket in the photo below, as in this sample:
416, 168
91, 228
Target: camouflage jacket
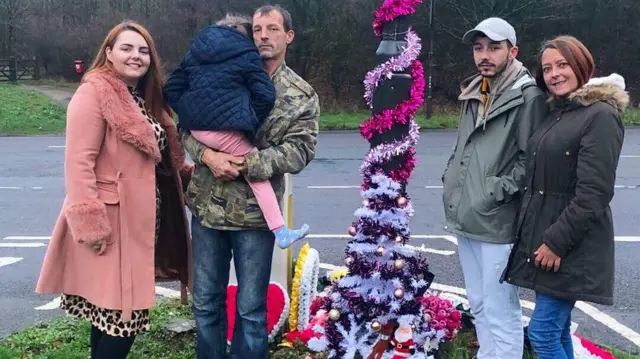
286, 142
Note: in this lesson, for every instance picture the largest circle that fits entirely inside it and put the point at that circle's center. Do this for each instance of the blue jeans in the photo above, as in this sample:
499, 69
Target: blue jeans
252, 253
550, 328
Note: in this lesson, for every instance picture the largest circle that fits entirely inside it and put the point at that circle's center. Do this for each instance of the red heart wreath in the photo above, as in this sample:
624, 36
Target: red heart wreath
277, 309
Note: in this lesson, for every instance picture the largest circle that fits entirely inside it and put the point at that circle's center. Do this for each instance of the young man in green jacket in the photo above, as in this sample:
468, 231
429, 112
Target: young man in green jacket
501, 108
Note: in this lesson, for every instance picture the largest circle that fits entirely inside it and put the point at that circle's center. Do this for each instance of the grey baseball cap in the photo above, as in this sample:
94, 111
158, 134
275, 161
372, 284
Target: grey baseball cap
494, 28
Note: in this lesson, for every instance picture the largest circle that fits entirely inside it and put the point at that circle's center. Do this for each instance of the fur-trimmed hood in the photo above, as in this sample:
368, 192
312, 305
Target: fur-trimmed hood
126, 119
609, 89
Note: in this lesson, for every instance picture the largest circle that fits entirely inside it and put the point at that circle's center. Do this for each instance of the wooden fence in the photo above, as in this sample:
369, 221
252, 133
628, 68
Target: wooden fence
13, 69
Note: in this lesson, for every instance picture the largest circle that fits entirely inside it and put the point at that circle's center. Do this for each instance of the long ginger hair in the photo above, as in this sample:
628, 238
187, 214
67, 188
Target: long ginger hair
152, 82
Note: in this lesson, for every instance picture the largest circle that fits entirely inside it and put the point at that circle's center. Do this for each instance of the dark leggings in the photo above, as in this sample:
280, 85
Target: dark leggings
104, 346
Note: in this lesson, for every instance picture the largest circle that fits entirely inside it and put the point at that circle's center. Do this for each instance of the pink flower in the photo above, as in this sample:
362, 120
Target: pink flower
456, 315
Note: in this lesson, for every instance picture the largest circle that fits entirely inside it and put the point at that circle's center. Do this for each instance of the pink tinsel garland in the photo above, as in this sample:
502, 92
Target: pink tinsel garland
403, 112
391, 9
384, 152
593, 349
398, 63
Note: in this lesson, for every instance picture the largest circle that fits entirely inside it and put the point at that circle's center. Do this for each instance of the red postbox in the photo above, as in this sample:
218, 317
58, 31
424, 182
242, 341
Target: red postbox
79, 66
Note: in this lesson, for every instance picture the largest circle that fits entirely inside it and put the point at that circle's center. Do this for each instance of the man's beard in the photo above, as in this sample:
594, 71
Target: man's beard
499, 69
267, 56
269, 53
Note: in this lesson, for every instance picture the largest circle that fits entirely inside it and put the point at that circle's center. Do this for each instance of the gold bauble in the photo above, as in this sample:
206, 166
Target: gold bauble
399, 263
380, 251
375, 325
399, 239
401, 201
334, 314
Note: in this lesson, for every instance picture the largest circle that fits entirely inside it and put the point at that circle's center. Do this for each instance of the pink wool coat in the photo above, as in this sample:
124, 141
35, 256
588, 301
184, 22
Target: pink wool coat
110, 177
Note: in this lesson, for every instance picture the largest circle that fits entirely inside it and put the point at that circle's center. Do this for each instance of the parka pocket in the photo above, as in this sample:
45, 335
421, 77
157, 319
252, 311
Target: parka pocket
494, 188
488, 202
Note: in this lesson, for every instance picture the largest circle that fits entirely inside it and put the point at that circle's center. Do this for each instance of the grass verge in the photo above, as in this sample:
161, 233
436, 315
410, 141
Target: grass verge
66, 338
25, 112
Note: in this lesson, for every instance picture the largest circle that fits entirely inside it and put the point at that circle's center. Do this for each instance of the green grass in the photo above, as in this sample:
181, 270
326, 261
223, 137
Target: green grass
24, 112
67, 338
631, 118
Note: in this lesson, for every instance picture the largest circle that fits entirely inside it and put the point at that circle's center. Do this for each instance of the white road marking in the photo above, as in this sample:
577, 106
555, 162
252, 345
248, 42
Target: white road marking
22, 245
627, 187
27, 238
630, 156
54, 304
348, 187
422, 248
462, 292
451, 239
332, 187
19, 188
57, 146
610, 322
627, 239
328, 266
5, 261
448, 238
588, 309
441, 187
165, 292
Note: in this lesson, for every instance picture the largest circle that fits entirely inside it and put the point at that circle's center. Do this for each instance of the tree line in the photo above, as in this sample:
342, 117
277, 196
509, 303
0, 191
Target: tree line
334, 45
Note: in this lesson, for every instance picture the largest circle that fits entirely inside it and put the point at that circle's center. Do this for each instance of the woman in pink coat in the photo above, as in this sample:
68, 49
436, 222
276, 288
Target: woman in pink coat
123, 224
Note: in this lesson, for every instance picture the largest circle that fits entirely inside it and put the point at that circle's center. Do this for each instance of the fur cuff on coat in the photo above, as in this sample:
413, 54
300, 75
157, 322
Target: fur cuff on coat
88, 222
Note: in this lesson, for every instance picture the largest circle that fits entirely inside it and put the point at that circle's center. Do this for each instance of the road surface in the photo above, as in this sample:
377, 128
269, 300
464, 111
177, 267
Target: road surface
325, 196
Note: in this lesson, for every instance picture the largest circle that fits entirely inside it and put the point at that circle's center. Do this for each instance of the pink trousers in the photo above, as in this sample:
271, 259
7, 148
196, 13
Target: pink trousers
236, 144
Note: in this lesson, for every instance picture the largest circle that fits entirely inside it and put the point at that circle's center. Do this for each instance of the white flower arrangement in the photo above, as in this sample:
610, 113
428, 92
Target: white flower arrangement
308, 287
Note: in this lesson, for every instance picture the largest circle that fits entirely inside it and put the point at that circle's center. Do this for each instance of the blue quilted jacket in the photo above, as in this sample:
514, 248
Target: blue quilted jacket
221, 84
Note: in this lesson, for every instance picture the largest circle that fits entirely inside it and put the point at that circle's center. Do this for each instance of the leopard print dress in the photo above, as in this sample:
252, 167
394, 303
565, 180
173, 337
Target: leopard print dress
107, 320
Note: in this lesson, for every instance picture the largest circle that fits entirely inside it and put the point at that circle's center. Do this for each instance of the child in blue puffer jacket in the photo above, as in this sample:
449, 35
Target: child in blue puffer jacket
222, 94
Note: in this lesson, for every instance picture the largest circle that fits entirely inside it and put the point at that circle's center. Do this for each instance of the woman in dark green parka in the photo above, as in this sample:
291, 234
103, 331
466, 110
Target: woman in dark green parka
564, 247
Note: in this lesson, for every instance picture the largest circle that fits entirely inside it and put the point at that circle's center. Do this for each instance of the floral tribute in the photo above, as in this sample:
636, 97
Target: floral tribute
380, 307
